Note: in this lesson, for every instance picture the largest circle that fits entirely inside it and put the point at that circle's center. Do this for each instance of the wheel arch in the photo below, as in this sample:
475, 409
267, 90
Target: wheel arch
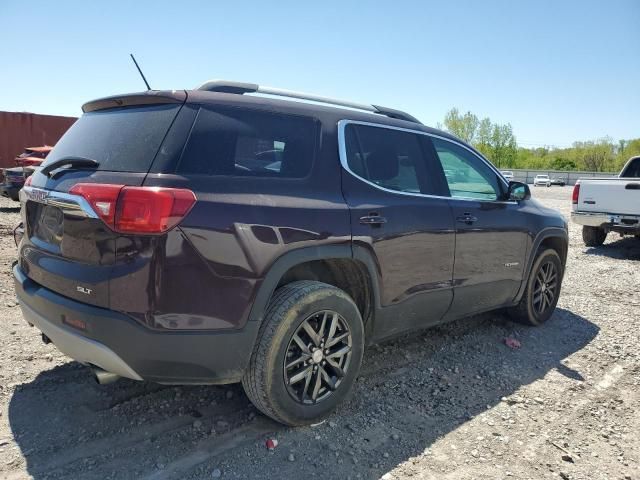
555, 238
350, 268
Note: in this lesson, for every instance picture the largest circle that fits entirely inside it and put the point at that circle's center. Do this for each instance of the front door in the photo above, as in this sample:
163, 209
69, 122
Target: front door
491, 233
386, 182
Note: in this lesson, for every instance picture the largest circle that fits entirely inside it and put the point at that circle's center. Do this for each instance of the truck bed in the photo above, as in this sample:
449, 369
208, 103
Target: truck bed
619, 196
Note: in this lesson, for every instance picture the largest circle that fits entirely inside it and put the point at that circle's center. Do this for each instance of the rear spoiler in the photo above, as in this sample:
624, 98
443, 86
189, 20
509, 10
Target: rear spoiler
152, 97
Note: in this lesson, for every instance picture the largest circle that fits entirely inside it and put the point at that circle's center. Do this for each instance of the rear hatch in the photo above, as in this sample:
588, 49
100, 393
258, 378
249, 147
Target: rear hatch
612, 195
69, 244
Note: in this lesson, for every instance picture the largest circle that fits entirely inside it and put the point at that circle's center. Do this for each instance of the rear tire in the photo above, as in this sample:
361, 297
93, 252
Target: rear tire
541, 295
303, 320
593, 236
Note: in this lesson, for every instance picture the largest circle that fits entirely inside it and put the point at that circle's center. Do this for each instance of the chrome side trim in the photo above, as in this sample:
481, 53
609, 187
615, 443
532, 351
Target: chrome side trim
230, 86
342, 148
226, 86
281, 92
68, 203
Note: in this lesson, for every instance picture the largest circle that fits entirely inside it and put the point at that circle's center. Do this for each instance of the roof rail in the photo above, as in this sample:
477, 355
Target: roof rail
226, 86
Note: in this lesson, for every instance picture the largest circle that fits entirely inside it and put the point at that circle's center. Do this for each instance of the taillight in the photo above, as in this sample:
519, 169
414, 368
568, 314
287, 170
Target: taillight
576, 193
143, 210
102, 198
27, 182
152, 209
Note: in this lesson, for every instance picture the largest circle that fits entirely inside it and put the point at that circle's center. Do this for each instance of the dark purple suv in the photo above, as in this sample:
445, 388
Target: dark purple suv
217, 235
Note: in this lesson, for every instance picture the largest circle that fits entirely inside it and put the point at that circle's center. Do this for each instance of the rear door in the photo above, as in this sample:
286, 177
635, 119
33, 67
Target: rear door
491, 234
395, 216
66, 247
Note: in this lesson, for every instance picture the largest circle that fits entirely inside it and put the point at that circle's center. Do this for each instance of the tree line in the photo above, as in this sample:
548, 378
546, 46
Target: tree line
498, 143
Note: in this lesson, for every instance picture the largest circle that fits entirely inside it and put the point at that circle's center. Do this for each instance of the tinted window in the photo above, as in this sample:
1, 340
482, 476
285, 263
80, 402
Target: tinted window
633, 169
242, 142
467, 175
121, 140
389, 158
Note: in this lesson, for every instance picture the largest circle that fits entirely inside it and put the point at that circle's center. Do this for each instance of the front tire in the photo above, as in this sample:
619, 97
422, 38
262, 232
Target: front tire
307, 355
593, 236
541, 295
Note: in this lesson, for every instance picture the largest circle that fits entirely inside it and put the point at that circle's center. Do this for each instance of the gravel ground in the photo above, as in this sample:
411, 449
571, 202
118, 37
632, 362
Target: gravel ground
453, 402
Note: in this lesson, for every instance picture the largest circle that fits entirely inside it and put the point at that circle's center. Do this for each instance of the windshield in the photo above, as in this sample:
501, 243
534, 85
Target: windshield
120, 140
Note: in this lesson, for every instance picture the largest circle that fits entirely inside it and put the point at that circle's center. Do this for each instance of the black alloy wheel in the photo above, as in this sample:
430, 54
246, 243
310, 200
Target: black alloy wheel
317, 357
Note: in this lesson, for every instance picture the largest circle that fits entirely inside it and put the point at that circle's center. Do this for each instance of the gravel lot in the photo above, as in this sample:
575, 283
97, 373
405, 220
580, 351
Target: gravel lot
453, 402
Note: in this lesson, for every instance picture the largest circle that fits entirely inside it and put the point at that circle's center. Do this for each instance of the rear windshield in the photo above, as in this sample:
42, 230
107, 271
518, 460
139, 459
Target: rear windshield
249, 143
633, 169
120, 140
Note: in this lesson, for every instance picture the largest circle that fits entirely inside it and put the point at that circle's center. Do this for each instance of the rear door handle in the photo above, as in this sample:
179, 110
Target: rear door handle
632, 186
373, 219
467, 218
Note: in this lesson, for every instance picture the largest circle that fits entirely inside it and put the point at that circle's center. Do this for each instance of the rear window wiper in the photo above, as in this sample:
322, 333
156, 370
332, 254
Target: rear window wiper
72, 161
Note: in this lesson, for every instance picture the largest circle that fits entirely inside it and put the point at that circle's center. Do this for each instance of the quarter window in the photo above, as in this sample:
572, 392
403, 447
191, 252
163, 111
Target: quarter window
467, 176
251, 143
391, 159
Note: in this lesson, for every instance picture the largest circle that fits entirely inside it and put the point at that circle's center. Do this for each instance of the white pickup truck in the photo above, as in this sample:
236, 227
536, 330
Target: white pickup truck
603, 205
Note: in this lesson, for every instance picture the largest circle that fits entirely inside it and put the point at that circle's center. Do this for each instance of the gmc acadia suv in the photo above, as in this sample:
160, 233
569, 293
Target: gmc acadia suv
218, 235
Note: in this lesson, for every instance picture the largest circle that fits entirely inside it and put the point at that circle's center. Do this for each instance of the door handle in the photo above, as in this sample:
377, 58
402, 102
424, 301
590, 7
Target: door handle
467, 218
632, 186
373, 219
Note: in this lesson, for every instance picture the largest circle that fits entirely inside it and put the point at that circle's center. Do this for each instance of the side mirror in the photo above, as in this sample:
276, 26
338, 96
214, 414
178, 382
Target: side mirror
518, 191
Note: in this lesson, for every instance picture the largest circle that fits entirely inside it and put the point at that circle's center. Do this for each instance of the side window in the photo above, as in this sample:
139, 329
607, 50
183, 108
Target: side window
467, 176
391, 159
239, 142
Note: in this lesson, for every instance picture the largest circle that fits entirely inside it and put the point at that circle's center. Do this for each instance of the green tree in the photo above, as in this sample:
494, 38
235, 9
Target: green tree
498, 143
503, 146
483, 137
560, 163
495, 141
463, 126
595, 156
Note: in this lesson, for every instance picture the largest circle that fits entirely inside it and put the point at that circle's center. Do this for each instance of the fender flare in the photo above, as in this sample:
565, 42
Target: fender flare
307, 254
549, 232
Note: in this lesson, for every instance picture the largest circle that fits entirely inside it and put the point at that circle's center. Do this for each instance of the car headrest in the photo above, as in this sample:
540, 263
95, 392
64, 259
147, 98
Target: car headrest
293, 162
383, 164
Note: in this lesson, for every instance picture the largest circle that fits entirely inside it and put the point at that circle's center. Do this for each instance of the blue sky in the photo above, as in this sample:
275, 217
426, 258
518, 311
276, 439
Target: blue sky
558, 71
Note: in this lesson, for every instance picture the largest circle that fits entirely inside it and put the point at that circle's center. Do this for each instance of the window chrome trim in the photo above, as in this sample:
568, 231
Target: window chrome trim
68, 203
342, 149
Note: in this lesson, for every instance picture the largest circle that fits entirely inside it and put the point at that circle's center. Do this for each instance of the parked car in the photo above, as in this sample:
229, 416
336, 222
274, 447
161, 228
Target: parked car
558, 181
13, 181
543, 180
13, 178
33, 156
179, 255
508, 176
603, 205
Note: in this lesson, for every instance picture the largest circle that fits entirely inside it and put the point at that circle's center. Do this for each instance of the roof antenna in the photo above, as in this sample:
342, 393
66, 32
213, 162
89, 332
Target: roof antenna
141, 74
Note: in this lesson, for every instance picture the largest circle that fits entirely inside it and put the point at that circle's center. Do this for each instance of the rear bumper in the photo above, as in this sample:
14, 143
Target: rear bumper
82, 349
608, 221
118, 344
